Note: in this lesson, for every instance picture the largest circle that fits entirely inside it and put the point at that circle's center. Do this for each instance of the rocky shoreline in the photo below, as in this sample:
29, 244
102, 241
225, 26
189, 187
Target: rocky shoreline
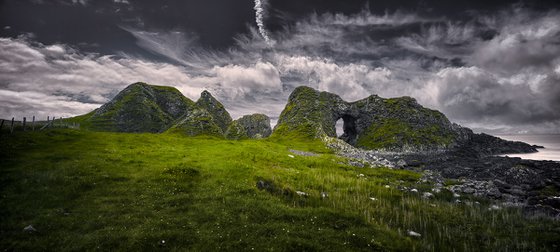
531, 185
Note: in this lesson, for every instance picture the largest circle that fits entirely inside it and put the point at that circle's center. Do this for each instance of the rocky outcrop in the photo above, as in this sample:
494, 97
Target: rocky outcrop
141, 108
147, 108
375, 123
216, 109
249, 126
197, 122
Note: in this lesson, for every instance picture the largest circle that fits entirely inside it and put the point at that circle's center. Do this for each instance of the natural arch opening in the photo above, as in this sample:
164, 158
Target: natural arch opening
349, 130
339, 127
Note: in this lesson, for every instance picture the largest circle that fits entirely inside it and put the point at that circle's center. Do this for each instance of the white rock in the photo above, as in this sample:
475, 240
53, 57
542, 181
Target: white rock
414, 190
414, 234
427, 195
361, 175
456, 195
373, 199
387, 186
292, 156
303, 194
494, 207
29, 229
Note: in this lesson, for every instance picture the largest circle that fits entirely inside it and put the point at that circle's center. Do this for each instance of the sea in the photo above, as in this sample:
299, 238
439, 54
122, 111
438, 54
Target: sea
551, 144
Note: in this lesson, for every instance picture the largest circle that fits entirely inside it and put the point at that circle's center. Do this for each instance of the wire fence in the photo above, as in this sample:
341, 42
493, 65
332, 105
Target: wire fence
35, 125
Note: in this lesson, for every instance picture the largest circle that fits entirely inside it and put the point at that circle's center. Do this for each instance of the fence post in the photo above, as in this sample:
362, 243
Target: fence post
33, 124
1, 125
24, 121
12, 126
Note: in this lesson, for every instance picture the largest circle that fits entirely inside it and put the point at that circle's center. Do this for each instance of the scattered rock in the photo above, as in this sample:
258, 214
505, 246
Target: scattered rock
29, 229
265, 185
494, 207
414, 190
324, 195
292, 156
427, 195
303, 153
302, 194
413, 234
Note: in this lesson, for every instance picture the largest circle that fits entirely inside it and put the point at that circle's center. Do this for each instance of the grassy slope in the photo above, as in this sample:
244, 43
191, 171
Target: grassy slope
88, 190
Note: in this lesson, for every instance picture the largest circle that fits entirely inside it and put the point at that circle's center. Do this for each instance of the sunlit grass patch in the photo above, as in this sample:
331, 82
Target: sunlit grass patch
86, 190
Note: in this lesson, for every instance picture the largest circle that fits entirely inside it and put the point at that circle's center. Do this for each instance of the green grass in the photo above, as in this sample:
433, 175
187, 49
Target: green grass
87, 190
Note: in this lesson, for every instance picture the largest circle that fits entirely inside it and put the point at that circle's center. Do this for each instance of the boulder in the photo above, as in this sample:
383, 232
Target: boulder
249, 126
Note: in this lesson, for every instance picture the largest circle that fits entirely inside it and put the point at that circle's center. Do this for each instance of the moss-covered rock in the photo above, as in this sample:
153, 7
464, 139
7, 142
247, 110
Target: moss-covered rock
197, 122
310, 113
250, 126
398, 123
141, 108
371, 123
221, 117
236, 131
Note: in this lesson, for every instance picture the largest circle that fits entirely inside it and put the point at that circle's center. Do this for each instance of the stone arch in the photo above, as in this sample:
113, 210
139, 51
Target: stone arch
349, 128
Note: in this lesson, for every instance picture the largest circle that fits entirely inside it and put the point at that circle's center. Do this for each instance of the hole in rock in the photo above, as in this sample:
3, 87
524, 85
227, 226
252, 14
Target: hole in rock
349, 129
338, 126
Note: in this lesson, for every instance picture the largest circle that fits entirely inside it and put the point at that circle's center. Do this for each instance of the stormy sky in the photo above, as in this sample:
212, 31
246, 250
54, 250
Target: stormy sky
490, 65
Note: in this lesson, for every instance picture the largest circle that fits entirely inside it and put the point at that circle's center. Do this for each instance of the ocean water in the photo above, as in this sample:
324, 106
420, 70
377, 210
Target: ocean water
551, 145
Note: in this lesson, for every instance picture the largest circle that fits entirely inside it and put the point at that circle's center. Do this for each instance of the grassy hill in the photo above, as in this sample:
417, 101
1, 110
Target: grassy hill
83, 190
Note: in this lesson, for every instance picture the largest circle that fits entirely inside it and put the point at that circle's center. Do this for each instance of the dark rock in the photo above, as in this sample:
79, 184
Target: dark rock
197, 122
265, 185
216, 109
250, 126
371, 123
395, 124
552, 201
141, 108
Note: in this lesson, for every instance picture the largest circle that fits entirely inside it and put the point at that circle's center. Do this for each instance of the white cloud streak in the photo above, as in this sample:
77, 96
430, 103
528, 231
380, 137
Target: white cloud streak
260, 12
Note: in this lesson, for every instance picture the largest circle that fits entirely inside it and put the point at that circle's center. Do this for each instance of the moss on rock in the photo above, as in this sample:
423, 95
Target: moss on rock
370, 123
197, 122
250, 126
141, 108
221, 117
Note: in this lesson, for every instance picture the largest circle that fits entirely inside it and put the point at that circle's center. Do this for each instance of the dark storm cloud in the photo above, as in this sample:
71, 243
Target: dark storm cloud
98, 22
485, 64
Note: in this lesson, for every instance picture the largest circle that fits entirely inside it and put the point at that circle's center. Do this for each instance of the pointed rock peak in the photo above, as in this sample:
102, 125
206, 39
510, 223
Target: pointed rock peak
205, 95
206, 98
215, 108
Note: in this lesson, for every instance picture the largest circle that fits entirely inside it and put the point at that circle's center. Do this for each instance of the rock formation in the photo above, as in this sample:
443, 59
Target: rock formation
395, 124
250, 126
216, 109
141, 108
